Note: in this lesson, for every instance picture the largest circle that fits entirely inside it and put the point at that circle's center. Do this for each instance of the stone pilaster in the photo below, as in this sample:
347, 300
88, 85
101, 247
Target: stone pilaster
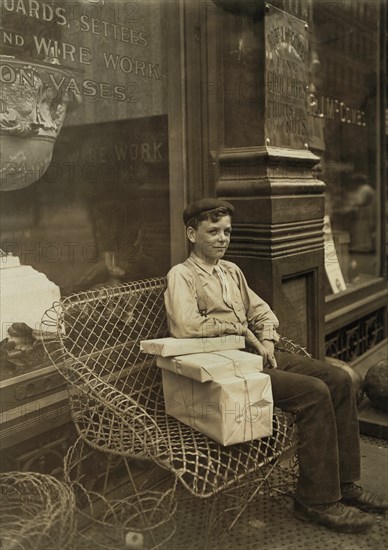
277, 233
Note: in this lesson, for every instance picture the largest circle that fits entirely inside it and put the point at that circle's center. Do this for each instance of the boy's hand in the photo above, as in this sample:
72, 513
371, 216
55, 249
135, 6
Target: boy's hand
270, 347
265, 349
269, 360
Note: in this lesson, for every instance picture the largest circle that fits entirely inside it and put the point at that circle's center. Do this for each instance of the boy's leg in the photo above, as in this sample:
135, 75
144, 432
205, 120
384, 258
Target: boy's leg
343, 399
318, 406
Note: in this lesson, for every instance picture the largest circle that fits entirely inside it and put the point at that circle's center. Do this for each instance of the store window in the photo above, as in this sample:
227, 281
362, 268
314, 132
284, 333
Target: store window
343, 97
84, 135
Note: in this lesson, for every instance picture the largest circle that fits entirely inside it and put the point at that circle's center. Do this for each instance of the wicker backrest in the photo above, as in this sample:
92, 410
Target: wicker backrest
97, 349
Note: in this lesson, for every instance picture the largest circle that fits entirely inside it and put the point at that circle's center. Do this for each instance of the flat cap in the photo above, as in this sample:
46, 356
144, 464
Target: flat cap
196, 208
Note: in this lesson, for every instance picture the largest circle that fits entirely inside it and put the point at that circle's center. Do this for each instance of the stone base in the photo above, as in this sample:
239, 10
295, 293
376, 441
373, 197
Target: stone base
373, 421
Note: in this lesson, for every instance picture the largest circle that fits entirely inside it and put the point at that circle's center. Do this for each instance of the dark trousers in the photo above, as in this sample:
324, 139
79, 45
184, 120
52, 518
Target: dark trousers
322, 398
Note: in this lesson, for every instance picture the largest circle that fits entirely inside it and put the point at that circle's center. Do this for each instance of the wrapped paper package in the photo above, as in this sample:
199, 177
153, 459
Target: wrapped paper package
208, 366
169, 347
229, 409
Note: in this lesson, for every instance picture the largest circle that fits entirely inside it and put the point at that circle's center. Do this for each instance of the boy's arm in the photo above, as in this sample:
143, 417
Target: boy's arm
184, 319
261, 319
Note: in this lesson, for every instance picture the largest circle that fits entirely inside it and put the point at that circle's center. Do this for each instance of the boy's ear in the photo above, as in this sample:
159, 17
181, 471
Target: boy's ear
190, 232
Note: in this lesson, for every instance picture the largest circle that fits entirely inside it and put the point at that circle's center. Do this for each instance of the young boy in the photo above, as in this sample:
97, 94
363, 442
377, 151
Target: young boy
208, 296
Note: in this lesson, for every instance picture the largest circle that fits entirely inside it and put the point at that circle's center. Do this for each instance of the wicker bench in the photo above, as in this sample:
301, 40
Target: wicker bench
116, 392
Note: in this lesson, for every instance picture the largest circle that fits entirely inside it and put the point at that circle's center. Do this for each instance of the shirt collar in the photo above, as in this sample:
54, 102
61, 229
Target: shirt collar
202, 264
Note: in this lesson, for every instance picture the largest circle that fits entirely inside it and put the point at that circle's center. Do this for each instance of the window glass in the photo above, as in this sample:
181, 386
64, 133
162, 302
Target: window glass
84, 130
344, 129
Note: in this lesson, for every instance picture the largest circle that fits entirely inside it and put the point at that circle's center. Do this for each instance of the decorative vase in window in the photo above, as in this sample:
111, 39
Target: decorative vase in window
33, 105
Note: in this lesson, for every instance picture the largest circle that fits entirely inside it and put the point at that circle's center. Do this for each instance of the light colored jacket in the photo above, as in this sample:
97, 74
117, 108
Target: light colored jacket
246, 309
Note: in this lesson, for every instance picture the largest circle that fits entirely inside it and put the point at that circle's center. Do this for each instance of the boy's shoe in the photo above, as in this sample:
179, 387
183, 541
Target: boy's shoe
353, 495
336, 516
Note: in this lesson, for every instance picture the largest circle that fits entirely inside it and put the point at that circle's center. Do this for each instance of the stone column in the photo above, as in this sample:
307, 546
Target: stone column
264, 167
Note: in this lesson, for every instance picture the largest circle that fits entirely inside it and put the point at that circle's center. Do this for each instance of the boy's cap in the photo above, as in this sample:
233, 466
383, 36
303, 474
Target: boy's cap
196, 208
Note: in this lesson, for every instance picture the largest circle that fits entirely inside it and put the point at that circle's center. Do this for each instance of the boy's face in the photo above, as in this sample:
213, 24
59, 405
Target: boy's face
211, 240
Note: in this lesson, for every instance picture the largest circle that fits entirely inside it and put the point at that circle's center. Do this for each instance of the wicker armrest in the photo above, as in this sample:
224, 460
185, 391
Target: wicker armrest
114, 422
285, 344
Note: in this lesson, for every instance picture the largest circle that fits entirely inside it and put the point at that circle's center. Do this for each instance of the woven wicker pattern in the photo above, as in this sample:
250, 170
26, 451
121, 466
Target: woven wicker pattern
116, 391
36, 512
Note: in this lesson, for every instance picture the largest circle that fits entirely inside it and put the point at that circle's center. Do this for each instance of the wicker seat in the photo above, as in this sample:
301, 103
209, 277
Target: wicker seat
116, 391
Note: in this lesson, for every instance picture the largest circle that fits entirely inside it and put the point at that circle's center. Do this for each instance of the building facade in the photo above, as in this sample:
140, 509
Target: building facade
115, 115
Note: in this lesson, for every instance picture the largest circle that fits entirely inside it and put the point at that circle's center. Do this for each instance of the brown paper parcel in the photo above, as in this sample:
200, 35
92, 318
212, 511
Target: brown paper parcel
209, 366
169, 347
229, 410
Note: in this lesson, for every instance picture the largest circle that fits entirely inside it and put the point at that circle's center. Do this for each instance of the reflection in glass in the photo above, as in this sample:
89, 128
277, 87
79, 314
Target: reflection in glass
100, 214
344, 130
